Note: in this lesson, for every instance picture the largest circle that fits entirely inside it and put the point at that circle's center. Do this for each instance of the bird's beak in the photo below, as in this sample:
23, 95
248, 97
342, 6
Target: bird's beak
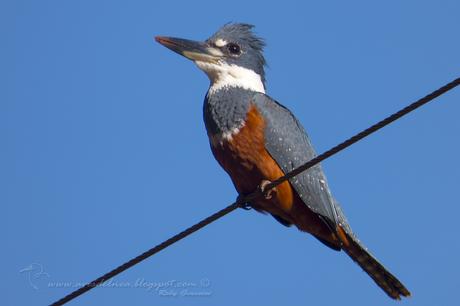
193, 50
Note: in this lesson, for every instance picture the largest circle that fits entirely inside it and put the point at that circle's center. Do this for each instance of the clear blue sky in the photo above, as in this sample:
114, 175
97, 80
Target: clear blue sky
104, 153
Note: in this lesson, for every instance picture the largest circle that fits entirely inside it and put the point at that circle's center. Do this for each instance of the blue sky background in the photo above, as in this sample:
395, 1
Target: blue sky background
104, 153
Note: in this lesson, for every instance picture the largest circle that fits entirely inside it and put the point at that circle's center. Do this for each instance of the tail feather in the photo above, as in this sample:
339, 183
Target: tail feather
381, 276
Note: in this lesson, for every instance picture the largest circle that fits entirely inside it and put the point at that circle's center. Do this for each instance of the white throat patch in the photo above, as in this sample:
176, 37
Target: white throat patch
223, 75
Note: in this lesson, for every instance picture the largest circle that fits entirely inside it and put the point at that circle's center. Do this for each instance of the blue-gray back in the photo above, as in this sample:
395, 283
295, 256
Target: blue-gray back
288, 143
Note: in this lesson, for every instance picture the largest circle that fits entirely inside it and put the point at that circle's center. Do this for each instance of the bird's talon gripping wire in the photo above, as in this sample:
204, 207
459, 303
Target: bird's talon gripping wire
244, 204
268, 194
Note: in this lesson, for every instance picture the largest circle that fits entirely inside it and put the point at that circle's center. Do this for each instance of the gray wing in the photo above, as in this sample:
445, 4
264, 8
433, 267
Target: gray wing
288, 143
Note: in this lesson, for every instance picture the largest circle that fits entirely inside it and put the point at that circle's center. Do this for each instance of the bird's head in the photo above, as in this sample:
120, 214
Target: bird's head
232, 57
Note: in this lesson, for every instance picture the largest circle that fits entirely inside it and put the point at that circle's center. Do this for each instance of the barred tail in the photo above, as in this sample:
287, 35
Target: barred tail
382, 277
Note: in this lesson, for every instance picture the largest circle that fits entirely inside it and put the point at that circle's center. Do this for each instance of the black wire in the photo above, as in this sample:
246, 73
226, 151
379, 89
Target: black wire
243, 200
147, 254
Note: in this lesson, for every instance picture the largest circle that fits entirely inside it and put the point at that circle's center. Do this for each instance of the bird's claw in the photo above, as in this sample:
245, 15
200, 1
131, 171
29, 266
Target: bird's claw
243, 203
268, 194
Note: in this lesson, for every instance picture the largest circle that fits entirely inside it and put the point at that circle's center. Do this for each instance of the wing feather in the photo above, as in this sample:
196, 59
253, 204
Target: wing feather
288, 143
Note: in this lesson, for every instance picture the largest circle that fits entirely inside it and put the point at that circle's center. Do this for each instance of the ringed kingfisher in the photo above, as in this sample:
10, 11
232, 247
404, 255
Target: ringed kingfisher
257, 140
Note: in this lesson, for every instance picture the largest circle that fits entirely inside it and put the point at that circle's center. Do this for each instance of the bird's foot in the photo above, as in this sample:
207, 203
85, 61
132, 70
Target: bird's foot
244, 204
268, 194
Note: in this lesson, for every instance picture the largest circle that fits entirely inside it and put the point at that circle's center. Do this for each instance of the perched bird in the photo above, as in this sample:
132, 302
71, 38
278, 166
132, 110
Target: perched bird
257, 140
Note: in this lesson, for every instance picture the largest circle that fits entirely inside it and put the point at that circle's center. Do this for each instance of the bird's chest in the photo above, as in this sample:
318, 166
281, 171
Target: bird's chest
241, 151
244, 157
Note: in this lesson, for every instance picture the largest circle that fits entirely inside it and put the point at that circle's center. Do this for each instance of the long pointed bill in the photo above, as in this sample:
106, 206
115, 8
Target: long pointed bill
194, 50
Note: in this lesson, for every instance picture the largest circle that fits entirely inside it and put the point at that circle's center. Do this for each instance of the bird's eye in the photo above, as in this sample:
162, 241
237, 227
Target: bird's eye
234, 49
